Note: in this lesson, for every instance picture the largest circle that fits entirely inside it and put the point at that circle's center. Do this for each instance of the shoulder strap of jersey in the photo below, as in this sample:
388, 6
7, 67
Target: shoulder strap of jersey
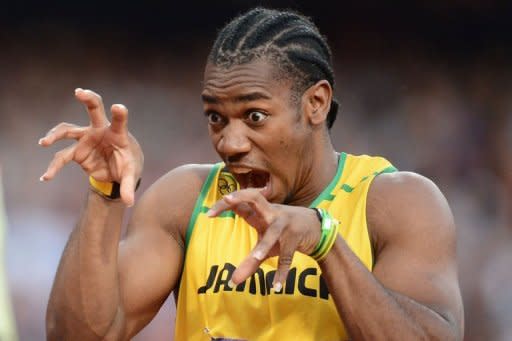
199, 202
326, 194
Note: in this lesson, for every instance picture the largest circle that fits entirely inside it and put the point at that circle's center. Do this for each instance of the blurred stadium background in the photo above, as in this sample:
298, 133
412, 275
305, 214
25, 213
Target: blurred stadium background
426, 84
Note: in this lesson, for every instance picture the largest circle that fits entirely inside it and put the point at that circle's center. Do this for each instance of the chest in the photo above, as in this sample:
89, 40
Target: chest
251, 309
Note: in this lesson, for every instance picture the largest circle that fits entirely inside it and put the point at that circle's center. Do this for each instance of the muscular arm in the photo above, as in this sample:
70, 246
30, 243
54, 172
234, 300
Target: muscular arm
109, 289
413, 292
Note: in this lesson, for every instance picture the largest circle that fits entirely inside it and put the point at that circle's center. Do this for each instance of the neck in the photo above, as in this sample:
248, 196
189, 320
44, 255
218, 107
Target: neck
318, 171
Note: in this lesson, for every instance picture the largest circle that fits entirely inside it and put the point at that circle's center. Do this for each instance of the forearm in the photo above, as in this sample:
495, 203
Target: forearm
372, 312
85, 295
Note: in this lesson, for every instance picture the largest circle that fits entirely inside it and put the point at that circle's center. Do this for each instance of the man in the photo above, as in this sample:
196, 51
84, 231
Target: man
240, 239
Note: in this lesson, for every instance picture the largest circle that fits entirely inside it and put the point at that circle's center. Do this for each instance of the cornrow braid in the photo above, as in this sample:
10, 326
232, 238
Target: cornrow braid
287, 39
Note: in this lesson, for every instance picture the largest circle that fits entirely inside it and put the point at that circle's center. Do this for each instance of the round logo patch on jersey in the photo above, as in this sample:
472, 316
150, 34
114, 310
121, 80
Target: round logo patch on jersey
226, 184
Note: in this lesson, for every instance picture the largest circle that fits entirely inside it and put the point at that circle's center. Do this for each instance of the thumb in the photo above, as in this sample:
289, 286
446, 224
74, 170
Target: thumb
128, 189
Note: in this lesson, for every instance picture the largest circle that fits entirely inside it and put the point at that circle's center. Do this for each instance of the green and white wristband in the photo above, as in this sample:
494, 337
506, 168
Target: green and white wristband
329, 229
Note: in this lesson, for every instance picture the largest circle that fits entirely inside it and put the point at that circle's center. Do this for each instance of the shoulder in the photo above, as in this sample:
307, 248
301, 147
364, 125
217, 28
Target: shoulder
405, 205
413, 234
169, 201
188, 178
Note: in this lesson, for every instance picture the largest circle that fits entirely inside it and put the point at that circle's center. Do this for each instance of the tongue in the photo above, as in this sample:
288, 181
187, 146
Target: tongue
257, 180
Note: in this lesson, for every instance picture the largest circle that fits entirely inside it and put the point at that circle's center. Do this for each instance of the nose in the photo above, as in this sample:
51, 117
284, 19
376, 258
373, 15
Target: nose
233, 142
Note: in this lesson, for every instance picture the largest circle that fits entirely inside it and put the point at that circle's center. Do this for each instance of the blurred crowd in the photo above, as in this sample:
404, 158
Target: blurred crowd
449, 119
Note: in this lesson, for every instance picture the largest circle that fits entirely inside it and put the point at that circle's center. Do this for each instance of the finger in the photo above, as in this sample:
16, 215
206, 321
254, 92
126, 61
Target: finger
221, 206
94, 105
257, 201
62, 131
259, 253
244, 210
59, 126
60, 159
286, 251
252, 196
119, 119
128, 188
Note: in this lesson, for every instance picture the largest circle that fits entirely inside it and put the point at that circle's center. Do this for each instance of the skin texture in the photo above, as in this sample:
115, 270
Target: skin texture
101, 289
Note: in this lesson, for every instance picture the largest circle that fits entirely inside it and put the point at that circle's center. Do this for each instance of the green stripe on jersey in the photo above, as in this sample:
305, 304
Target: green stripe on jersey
327, 192
199, 202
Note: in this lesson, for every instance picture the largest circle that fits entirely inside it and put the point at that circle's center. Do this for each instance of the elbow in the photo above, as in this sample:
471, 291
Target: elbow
448, 329
446, 335
456, 333
454, 326
446, 332
63, 324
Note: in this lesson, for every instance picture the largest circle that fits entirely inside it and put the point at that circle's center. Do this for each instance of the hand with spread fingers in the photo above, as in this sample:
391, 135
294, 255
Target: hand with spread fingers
105, 150
282, 230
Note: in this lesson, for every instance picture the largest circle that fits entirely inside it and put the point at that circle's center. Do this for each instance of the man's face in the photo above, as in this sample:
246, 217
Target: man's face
257, 130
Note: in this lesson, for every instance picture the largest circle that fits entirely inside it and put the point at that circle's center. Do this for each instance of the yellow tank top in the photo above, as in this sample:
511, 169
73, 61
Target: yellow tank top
208, 309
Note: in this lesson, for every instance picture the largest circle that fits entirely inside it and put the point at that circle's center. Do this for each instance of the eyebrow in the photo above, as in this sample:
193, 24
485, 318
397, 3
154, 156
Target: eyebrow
253, 96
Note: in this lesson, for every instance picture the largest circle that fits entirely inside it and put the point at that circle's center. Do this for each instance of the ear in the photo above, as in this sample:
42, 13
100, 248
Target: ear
317, 102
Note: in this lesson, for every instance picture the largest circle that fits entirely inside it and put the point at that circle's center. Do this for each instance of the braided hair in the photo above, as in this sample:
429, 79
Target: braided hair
287, 39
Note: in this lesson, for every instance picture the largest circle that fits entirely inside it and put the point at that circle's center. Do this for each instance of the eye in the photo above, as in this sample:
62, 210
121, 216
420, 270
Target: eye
256, 116
214, 118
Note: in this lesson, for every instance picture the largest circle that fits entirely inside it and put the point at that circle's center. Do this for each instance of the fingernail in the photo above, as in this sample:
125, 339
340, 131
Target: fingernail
210, 213
78, 89
40, 141
258, 255
231, 284
277, 287
41, 178
229, 197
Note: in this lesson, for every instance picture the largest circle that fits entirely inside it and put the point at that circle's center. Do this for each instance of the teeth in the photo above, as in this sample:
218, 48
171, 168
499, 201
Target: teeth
240, 170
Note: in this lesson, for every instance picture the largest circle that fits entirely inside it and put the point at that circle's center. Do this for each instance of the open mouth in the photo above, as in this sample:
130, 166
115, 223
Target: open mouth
251, 178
